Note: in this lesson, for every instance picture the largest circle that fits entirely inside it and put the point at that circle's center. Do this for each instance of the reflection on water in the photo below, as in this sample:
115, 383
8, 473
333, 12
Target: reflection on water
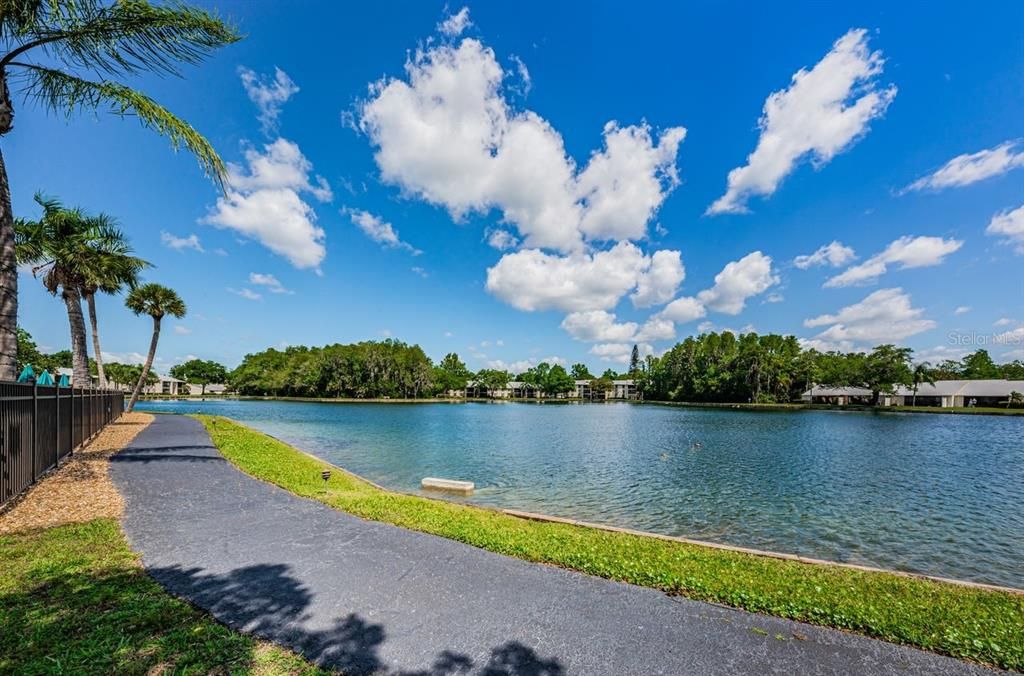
938, 494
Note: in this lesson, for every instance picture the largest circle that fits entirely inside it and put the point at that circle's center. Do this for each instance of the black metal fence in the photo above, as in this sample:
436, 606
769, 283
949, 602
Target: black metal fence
40, 426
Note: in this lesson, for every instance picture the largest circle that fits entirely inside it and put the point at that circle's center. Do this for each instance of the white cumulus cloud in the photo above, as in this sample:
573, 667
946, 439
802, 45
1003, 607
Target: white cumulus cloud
971, 167
264, 202
908, 252
620, 352
1009, 224
447, 134
884, 316
833, 254
454, 24
659, 283
685, 309
379, 230
739, 280
181, 243
822, 112
269, 94
502, 240
531, 279
269, 282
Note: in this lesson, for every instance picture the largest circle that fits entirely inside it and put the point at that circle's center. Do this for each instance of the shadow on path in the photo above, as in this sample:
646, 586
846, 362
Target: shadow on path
267, 601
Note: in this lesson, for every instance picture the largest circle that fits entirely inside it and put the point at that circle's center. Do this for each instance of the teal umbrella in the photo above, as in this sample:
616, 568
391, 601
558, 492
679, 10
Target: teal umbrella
45, 379
27, 374
64, 381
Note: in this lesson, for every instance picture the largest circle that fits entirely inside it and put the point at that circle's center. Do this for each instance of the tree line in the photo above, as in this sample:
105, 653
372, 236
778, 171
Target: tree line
723, 367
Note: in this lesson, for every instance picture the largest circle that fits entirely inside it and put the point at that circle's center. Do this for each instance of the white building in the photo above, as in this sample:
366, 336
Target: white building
944, 393
621, 389
212, 388
959, 393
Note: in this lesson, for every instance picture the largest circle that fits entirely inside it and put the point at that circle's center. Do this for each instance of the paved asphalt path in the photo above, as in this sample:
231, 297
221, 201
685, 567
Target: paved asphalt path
366, 597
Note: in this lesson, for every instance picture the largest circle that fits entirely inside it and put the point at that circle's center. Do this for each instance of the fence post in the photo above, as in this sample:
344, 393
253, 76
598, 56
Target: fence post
35, 431
56, 399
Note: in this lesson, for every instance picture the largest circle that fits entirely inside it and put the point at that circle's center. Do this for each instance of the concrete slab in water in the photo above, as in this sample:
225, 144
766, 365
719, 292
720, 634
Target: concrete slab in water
447, 485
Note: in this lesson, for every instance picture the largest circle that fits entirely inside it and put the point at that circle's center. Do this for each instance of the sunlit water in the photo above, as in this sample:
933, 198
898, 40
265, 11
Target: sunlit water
938, 494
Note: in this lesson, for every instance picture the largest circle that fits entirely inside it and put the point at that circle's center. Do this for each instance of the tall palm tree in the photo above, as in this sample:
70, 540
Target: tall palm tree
69, 248
111, 269
66, 55
922, 373
156, 301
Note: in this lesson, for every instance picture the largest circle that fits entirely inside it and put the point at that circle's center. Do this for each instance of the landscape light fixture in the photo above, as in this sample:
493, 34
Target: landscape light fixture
325, 475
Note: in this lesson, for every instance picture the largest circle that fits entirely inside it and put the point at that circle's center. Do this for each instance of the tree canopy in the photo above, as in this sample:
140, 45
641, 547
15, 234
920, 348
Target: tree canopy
200, 372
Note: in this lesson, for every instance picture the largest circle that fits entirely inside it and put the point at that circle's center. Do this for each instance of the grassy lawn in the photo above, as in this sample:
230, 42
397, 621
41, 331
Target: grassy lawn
74, 600
982, 625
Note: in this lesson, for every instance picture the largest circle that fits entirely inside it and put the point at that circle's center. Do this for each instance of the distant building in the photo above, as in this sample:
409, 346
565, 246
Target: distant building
621, 389
954, 393
837, 396
944, 393
212, 388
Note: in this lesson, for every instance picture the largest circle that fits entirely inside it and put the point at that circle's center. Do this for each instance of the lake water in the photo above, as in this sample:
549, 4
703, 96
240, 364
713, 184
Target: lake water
937, 494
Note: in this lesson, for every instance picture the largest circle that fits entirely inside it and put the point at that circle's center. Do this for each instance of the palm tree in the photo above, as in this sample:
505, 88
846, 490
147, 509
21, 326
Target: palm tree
66, 56
111, 269
922, 373
70, 248
156, 301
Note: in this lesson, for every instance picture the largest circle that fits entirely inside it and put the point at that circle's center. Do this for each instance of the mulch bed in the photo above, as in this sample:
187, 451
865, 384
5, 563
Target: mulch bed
80, 490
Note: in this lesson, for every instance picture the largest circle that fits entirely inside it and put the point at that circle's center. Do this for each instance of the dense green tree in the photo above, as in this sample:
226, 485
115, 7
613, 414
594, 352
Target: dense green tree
493, 379
557, 381
603, 384
1013, 370
634, 361
126, 375
200, 372
385, 369
156, 301
28, 352
886, 367
610, 374
979, 366
451, 374
67, 56
581, 372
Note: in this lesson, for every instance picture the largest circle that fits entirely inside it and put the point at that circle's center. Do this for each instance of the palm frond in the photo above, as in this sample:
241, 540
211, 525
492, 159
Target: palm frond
123, 37
18, 17
62, 92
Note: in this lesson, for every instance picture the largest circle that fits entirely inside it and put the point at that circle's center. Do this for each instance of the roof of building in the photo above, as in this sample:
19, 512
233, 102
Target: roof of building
965, 388
820, 391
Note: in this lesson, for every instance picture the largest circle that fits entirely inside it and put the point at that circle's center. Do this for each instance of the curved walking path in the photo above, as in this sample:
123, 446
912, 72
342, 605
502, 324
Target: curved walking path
367, 597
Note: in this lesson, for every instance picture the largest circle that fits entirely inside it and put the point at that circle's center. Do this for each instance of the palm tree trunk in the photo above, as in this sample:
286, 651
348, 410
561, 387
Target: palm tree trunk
145, 367
8, 261
79, 351
90, 300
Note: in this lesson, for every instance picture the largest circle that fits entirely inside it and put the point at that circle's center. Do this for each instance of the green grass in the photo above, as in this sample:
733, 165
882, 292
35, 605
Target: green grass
73, 600
978, 624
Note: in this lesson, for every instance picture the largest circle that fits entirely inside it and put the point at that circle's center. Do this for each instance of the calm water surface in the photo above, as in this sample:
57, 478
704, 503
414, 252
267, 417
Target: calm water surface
938, 494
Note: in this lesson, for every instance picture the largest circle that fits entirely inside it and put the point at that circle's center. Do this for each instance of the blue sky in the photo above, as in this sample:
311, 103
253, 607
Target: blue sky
523, 182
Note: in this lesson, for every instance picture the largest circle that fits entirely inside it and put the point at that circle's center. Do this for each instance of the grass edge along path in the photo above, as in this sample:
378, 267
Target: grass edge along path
977, 624
76, 600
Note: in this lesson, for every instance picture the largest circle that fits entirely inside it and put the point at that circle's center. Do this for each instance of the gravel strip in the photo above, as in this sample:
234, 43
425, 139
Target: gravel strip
80, 490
